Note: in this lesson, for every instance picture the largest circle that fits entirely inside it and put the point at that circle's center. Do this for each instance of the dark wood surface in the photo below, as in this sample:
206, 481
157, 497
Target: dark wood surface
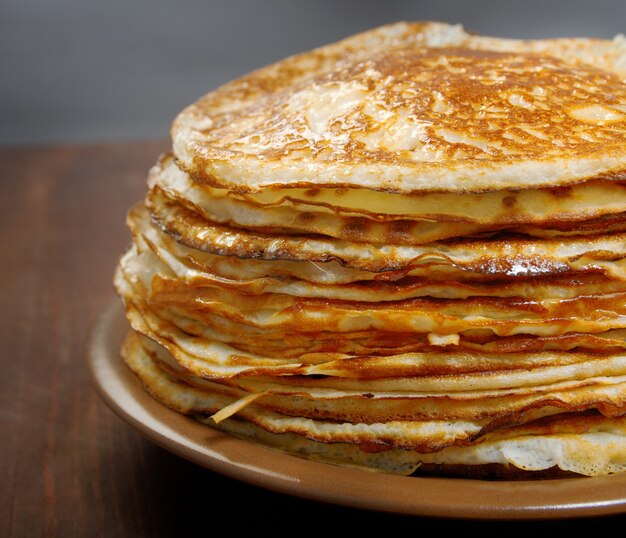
68, 465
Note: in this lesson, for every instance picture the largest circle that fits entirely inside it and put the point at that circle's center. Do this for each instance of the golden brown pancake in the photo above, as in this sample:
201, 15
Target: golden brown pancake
405, 252
414, 107
582, 209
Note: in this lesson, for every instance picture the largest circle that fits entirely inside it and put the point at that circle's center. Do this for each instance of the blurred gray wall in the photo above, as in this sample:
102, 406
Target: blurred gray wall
84, 70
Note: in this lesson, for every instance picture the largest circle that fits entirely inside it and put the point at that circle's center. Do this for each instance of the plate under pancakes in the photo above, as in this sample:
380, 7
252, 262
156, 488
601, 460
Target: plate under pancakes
346, 262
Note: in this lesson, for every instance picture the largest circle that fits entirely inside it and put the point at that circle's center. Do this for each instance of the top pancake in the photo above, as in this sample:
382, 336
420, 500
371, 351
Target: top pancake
412, 108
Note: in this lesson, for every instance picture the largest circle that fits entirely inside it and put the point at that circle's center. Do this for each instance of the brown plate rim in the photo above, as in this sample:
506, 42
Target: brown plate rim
356, 488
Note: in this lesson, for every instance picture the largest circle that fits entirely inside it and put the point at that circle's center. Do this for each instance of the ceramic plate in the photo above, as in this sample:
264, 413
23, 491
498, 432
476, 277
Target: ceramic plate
255, 464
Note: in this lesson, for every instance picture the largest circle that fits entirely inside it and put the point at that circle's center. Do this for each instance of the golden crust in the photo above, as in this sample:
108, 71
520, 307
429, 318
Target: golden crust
451, 112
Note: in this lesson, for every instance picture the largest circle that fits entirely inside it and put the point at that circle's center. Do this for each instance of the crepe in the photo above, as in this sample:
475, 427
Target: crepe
585, 443
405, 252
412, 219
415, 107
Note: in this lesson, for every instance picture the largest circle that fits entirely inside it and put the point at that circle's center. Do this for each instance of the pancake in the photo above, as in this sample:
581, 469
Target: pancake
404, 252
581, 209
498, 256
502, 316
587, 444
203, 264
414, 107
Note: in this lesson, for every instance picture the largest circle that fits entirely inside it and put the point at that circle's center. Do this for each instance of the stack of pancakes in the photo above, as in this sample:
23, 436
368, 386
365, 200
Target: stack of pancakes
405, 251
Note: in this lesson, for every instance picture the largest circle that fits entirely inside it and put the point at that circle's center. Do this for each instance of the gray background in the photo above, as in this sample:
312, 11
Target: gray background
87, 71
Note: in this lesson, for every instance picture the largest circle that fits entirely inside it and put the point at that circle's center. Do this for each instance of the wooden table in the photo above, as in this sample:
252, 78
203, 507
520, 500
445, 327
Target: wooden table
68, 465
